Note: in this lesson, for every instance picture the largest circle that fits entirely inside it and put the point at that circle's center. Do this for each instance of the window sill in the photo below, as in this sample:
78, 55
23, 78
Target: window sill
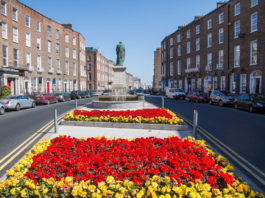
236, 66
252, 65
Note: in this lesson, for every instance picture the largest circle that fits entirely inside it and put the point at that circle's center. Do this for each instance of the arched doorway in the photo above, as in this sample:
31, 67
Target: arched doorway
255, 82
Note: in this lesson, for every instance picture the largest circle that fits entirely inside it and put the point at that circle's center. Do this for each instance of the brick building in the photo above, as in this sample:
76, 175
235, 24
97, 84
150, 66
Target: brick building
99, 70
38, 54
157, 70
224, 50
129, 81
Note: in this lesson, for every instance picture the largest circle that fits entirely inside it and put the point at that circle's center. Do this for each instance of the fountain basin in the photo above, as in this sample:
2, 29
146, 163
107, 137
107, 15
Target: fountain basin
118, 98
118, 104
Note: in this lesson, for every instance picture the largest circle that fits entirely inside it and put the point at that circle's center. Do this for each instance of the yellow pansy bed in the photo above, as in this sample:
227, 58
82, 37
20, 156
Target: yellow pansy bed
151, 116
17, 185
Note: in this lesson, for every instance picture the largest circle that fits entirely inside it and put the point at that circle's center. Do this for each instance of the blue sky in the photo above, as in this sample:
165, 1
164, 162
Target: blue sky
139, 24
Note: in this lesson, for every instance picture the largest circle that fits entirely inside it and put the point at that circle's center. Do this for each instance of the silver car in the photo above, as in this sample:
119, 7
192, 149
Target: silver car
2, 109
18, 102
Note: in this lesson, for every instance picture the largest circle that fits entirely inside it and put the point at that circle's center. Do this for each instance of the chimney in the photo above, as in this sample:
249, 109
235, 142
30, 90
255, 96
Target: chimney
68, 26
220, 3
197, 18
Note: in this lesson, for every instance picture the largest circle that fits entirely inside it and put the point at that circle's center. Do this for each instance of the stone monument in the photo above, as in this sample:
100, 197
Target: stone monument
119, 88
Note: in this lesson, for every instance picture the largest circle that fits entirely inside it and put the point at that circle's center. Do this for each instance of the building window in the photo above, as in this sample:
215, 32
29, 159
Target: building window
197, 29
253, 52
50, 64
14, 14
237, 29
28, 60
221, 18
179, 50
188, 33
221, 35
89, 66
209, 59
171, 52
38, 26
28, 39
57, 48
74, 69
199, 83
215, 82
49, 30
38, 43
4, 30
67, 38
254, 3
188, 63
171, 69
209, 40
222, 83
232, 83
237, 9
15, 53
58, 65
243, 83
28, 21
89, 76
5, 55
198, 44
171, 41
179, 67
15, 35
74, 41
188, 47
237, 56
39, 66
254, 22
89, 58
66, 52
3, 8
178, 38
220, 58
209, 24
57, 34
67, 67
180, 84
49, 46
74, 54
198, 60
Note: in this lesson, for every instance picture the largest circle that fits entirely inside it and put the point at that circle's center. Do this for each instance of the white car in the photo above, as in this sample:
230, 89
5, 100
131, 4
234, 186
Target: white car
18, 102
175, 93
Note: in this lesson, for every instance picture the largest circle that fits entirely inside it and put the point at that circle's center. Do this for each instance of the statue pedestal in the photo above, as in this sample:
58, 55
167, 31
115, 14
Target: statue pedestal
119, 87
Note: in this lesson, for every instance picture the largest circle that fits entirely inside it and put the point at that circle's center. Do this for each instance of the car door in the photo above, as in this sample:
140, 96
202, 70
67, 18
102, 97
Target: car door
21, 101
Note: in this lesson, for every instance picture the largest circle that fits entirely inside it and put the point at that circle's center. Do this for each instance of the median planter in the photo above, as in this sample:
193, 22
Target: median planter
143, 167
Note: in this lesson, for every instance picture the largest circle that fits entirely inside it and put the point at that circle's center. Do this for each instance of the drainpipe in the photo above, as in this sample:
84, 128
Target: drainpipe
227, 88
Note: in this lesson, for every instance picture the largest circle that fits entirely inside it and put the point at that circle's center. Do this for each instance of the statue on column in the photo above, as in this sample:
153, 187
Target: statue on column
120, 50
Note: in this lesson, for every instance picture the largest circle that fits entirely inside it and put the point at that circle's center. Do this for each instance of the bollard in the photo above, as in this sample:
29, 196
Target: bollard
195, 123
55, 121
75, 104
163, 102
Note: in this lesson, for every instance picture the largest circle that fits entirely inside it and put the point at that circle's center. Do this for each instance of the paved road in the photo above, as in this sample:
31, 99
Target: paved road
242, 131
16, 127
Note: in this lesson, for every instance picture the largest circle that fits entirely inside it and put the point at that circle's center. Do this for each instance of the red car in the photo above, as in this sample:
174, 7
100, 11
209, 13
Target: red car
46, 99
195, 96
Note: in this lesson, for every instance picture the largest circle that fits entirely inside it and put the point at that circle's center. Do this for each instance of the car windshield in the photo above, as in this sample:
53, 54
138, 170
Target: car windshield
140, 91
178, 90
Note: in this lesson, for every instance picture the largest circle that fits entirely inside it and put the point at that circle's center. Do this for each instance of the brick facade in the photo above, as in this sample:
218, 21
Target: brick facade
42, 55
218, 66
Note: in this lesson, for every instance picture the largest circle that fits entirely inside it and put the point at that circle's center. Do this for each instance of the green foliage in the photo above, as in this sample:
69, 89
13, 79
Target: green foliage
5, 91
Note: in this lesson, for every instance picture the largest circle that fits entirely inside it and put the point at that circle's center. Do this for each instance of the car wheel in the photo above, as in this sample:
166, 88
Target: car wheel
2, 110
251, 110
33, 105
17, 107
221, 103
48, 102
236, 106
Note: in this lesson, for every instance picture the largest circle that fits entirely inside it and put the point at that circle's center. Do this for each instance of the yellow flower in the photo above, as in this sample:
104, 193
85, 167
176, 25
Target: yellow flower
45, 190
92, 188
110, 179
13, 191
10, 172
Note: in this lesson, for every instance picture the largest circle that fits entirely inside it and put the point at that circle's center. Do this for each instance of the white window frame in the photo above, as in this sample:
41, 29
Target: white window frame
237, 29
5, 55
221, 35
27, 22
198, 61
254, 3
14, 14
49, 30
252, 53
58, 65
198, 27
57, 48
171, 52
171, 41
222, 83
3, 8
179, 67
38, 26
188, 33
209, 59
67, 52
66, 38
237, 56
15, 34
28, 39
38, 43
39, 65
28, 59
209, 24
237, 9
221, 57
188, 47
49, 46
198, 45
171, 69
74, 69
67, 67
4, 31
178, 38
57, 34
16, 59
74, 54
221, 18
74, 40
254, 26
243, 83
50, 69
188, 63
209, 40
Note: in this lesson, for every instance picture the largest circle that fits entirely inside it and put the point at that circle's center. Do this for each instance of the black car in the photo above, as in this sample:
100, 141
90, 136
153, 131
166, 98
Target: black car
250, 102
88, 94
62, 97
77, 95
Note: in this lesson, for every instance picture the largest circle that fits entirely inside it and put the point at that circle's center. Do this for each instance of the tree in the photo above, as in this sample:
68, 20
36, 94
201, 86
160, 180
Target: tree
5, 91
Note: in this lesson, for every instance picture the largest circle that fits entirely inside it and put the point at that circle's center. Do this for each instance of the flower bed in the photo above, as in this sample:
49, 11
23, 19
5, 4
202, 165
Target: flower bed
155, 116
143, 167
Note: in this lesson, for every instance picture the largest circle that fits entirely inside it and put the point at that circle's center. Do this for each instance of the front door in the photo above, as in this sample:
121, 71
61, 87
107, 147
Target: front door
257, 86
48, 87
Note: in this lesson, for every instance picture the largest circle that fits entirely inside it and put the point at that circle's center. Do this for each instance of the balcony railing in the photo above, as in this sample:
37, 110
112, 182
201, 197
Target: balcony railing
208, 67
39, 69
189, 70
59, 71
219, 66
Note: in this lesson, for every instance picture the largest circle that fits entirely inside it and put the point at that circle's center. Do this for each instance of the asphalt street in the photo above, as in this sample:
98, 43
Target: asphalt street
16, 127
242, 131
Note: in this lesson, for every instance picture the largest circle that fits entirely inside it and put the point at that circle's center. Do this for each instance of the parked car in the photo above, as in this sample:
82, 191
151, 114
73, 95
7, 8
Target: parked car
250, 102
175, 93
77, 95
97, 92
139, 92
221, 98
62, 97
197, 96
131, 92
88, 94
18, 102
2, 109
46, 99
